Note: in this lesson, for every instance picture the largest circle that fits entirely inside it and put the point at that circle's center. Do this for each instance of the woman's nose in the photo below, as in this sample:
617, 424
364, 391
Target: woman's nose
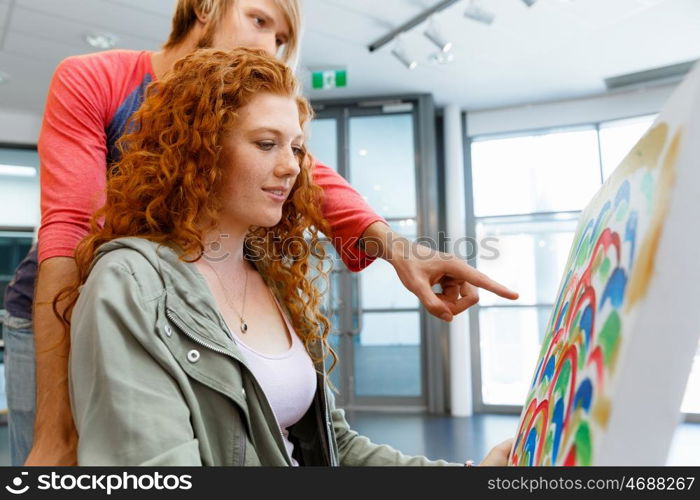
289, 164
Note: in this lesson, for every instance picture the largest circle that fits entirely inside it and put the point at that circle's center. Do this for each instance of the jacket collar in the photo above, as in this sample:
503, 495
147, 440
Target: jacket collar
187, 294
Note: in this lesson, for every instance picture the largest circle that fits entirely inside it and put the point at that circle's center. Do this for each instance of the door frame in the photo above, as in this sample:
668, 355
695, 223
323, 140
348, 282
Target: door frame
434, 333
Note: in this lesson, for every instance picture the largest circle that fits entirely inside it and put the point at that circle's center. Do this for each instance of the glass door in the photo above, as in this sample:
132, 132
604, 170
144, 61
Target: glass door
379, 326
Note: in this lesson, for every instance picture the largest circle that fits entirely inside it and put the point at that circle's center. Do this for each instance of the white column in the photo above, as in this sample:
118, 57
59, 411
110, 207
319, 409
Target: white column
460, 353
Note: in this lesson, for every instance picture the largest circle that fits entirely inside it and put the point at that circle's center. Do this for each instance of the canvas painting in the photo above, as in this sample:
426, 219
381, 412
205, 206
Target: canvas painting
621, 337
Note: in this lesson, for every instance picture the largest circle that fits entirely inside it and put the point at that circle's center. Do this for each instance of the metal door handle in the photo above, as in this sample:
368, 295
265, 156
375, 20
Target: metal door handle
357, 309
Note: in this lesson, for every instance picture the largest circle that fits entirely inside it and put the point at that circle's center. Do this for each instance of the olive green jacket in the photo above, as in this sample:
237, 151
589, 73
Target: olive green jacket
156, 378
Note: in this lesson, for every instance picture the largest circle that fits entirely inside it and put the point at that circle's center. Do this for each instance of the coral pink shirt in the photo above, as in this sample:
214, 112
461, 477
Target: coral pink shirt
90, 99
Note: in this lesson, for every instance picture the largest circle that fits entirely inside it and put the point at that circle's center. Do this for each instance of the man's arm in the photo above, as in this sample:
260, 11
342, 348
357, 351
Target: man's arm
72, 153
360, 236
348, 215
419, 267
55, 437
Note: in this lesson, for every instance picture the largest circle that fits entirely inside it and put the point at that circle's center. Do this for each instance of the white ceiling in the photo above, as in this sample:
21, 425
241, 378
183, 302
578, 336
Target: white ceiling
556, 49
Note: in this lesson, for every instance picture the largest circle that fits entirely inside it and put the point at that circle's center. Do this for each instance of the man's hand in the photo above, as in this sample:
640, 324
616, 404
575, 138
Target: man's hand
55, 437
498, 456
419, 267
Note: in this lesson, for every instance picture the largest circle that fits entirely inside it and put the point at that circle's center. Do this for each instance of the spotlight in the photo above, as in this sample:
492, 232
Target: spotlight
529, 3
433, 34
479, 14
441, 57
399, 51
101, 41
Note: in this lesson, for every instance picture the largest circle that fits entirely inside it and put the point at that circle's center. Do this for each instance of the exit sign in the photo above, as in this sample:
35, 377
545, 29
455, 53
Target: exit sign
329, 79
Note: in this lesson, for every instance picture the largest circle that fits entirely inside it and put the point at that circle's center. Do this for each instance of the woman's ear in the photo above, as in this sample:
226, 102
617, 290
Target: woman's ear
202, 17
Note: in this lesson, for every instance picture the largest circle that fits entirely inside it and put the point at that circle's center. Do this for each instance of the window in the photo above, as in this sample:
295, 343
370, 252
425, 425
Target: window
382, 163
691, 401
528, 253
545, 173
525, 226
323, 141
19, 187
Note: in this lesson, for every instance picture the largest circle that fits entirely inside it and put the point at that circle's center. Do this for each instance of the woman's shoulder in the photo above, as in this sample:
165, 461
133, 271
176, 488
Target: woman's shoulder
132, 258
154, 266
129, 252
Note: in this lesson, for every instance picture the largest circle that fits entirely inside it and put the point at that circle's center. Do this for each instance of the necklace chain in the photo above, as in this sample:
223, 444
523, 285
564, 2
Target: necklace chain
244, 324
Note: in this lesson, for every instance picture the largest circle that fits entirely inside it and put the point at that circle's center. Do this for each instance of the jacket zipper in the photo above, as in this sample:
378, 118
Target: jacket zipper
194, 338
334, 461
323, 421
326, 424
332, 458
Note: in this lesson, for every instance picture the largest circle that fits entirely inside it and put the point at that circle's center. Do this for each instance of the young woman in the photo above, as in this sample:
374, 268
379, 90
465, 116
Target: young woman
197, 336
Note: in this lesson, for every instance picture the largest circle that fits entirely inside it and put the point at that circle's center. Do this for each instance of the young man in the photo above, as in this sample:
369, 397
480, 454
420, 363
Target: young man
90, 101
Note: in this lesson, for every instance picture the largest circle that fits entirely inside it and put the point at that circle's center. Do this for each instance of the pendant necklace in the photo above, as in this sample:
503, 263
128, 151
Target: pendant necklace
244, 325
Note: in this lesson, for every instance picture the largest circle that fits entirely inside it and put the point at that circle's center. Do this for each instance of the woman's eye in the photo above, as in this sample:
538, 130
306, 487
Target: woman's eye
259, 21
298, 151
266, 146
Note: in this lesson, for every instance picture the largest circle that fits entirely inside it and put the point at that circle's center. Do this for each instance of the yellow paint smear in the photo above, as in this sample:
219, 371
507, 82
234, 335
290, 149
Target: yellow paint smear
600, 412
644, 266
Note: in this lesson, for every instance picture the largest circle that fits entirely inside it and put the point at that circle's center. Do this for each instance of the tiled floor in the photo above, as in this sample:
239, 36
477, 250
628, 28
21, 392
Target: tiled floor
455, 439
458, 439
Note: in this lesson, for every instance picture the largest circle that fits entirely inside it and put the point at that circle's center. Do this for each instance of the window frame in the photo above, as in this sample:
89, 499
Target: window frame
471, 221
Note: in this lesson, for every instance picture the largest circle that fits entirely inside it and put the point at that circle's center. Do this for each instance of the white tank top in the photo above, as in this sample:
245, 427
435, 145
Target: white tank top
288, 379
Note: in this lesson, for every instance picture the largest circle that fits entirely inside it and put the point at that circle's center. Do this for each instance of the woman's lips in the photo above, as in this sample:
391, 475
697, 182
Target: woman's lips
279, 195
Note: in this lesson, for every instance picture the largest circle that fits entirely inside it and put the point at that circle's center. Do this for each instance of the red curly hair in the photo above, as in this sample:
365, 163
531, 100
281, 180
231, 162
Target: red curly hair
161, 188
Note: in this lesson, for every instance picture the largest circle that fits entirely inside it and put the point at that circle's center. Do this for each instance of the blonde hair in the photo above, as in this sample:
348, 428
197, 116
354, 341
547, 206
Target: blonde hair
186, 12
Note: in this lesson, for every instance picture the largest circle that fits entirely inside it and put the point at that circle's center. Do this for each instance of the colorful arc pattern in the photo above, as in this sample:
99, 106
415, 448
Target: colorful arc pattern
568, 401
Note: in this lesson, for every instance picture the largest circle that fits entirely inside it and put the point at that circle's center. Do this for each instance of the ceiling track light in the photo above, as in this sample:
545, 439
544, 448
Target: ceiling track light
101, 41
477, 13
529, 3
410, 24
433, 34
399, 52
441, 57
